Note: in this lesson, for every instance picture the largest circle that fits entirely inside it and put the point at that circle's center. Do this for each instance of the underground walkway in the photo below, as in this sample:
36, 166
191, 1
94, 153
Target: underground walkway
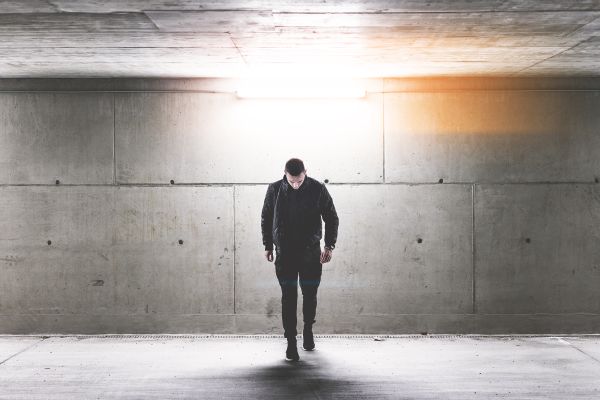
342, 367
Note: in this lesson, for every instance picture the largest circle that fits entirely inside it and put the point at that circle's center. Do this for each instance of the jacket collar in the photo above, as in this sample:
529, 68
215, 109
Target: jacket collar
287, 186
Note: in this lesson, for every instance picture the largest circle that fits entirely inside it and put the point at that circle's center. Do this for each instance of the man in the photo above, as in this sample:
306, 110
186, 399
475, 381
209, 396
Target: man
291, 220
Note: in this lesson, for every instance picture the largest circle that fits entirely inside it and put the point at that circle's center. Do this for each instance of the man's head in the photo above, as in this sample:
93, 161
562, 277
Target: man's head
295, 172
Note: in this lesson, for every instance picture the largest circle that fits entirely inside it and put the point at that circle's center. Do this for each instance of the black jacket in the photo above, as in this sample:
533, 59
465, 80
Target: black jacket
315, 202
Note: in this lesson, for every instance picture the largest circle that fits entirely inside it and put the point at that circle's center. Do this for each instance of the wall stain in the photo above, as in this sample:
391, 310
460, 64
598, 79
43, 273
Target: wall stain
272, 304
12, 259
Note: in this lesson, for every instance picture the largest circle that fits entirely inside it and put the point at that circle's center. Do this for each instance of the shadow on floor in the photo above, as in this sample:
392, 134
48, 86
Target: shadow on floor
312, 377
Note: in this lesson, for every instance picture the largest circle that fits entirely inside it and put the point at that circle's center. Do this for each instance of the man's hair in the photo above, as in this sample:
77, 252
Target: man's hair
294, 166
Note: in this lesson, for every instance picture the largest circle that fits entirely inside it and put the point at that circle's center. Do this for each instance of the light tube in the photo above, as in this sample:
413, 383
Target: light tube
300, 89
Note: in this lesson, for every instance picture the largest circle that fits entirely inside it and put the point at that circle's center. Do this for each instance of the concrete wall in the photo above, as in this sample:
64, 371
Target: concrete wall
466, 206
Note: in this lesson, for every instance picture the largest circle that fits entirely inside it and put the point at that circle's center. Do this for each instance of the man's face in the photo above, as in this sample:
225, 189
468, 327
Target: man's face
295, 181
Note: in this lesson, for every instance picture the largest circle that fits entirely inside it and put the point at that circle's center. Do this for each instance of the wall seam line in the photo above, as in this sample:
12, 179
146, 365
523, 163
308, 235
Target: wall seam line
466, 314
234, 249
392, 91
114, 141
473, 247
383, 134
228, 184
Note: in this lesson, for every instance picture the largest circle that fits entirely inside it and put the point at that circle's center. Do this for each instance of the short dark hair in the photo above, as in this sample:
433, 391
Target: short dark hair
294, 166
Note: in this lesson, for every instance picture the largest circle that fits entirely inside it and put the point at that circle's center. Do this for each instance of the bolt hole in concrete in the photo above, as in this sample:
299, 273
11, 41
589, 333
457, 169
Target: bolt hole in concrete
326, 181
180, 241
172, 182
57, 182
49, 242
419, 240
441, 181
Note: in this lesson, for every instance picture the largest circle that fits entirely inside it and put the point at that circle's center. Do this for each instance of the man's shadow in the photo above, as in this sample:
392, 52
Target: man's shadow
316, 375
309, 377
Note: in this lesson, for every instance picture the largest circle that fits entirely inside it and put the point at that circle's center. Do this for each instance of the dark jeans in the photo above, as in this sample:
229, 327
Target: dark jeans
289, 265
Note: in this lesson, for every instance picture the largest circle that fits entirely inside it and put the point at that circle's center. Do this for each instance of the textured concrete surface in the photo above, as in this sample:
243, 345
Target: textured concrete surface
379, 268
418, 264
115, 265
537, 248
492, 136
219, 138
257, 288
46, 137
370, 38
427, 367
116, 251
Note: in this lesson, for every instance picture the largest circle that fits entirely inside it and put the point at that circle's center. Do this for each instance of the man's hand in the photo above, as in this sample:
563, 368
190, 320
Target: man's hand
269, 255
326, 255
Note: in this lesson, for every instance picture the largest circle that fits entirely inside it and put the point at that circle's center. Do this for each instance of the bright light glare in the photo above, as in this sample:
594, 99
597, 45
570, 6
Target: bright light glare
299, 88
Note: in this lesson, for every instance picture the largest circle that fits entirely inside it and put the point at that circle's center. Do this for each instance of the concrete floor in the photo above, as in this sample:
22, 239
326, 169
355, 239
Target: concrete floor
342, 367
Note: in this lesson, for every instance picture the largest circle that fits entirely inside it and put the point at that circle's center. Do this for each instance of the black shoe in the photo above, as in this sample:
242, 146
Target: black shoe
308, 341
291, 353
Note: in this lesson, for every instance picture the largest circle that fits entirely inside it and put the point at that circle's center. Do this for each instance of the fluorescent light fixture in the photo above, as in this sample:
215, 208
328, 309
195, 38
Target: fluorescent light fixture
299, 89
296, 93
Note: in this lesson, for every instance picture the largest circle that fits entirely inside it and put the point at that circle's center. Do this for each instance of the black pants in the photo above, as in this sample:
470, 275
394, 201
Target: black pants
289, 265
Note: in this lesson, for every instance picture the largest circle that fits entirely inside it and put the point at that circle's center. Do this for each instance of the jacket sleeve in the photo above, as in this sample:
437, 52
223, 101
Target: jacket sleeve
330, 217
266, 220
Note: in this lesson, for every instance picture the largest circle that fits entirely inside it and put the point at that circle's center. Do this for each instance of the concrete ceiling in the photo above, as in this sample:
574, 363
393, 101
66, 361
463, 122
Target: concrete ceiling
369, 38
